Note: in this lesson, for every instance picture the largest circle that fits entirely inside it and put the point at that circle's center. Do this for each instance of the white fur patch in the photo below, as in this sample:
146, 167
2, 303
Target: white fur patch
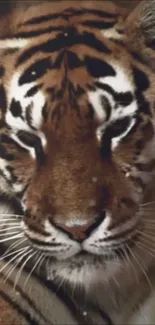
3, 165
37, 102
120, 82
94, 98
111, 33
13, 43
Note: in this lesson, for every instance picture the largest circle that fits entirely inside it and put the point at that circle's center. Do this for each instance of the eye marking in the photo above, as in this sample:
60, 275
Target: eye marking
111, 134
35, 71
33, 141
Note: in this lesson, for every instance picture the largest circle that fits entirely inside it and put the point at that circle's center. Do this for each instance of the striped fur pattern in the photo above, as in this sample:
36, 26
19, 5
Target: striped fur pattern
77, 139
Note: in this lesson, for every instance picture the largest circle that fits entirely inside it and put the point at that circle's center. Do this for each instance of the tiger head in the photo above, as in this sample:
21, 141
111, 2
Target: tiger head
77, 128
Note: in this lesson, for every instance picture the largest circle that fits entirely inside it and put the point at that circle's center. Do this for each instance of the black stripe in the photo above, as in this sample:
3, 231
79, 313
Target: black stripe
39, 32
2, 71
42, 243
106, 106
4, 138
43, 18
39, 68
6, 179
150, 44
5, 154
67, 300
29, 318
45, 112
14, 202
3, 99
15, 108
141, 79
32, 91
90, 114
106, 317
99, 24
139, 58
70, 12
100, 13
143, 104
61, 42
74, 61
99, 68
124, 99
27, 298
31, 140
13, 177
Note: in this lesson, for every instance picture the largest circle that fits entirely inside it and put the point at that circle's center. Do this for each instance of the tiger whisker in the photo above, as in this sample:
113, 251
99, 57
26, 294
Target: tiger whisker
13, 267
22, 267
148, 240
130, 262
41, 262
9, 228
148, 250
2, 235
33, 268
150, 227
11, 214
12, 259
19, 235
140, 265
11, 224
17, 243
149, 233
145, 234
147, 203
12, 253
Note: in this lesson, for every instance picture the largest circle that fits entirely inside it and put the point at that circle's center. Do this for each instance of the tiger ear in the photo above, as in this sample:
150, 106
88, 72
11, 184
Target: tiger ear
140, 27
141, 22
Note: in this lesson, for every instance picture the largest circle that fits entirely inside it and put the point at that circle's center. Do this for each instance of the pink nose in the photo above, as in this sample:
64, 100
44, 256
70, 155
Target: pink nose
77, 232
80, 232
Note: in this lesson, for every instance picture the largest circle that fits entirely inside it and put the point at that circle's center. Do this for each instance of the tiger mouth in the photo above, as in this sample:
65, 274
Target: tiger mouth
111, 252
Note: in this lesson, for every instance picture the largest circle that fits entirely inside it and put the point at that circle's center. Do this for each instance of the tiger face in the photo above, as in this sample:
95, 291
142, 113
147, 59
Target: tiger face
77, 131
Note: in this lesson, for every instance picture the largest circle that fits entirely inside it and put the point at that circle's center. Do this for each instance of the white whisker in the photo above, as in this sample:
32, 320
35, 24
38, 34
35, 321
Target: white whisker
33, 268
140, 265
13, 267
131, 264
9, 228
22, 267
147, 203
12, 253
17, 243
12, 237
13, 258
9, 233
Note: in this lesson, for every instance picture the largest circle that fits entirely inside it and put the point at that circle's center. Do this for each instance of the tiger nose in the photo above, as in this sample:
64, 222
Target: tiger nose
80, 232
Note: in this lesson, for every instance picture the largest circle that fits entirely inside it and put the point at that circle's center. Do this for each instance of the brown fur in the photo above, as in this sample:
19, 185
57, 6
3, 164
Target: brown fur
64, 185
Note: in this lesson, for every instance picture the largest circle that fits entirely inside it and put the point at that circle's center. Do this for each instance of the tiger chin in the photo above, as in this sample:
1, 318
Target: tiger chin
77, 143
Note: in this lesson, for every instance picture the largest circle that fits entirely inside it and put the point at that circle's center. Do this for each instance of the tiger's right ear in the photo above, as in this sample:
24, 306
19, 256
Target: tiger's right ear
141, 22
140, 25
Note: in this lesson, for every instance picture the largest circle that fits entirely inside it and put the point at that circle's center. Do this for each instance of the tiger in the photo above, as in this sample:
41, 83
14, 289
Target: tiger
77, 163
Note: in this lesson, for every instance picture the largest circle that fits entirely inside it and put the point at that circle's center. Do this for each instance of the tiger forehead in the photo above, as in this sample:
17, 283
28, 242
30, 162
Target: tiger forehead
63, 10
